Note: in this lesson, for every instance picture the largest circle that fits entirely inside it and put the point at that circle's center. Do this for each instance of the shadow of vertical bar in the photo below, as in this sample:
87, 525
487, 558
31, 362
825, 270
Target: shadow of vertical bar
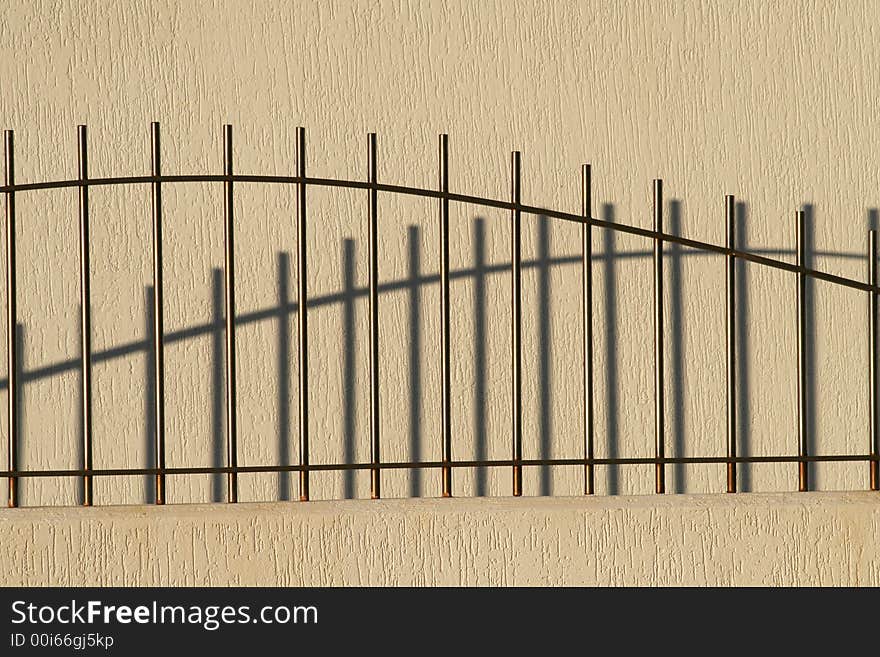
677, 369
612, 401
481, 440
415, 362
19, 399
149, 398
218, 424
283, 374
743, 404
349, 365
81, 425
545, 372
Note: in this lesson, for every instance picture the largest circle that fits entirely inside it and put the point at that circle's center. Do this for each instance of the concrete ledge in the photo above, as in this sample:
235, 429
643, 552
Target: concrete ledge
773, 539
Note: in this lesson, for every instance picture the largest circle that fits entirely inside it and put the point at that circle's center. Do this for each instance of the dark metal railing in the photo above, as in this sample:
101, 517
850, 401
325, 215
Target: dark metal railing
587, 313
445, 364
85, 290
11, 320
375, 454
730, 279
874, 444
158, 315
659, 396
516, 319
803, 471
302, 316
229, 288
302, 182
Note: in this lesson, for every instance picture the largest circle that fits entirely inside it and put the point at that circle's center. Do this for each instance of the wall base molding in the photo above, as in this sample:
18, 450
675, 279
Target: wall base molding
745, 539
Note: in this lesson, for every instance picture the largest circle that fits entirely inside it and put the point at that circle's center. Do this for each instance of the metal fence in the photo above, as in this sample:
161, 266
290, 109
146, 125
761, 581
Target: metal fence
301, 181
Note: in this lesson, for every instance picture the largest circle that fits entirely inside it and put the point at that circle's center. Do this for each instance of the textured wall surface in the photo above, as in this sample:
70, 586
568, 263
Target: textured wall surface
776, 104
758, 539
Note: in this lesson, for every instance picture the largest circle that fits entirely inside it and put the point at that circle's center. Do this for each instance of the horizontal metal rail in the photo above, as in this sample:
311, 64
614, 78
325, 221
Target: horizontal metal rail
456, 198
407, 465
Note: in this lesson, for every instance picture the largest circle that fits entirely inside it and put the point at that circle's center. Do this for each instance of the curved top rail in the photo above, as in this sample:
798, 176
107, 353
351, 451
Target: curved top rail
773, 263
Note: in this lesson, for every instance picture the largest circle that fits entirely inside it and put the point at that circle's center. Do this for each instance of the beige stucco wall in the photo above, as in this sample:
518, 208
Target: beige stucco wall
759, 539
776, 104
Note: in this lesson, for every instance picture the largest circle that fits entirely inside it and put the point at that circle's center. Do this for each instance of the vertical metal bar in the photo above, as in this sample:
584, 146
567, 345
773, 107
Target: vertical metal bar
302, 314
659, 397
587, 265
803, 472
158, 315
11, 319
86, 321
444, 318
231, 428
875, 374
516, 319
372, 178
730, 262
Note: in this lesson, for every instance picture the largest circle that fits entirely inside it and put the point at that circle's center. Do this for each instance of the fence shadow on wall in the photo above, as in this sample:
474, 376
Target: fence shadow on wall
606, 260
